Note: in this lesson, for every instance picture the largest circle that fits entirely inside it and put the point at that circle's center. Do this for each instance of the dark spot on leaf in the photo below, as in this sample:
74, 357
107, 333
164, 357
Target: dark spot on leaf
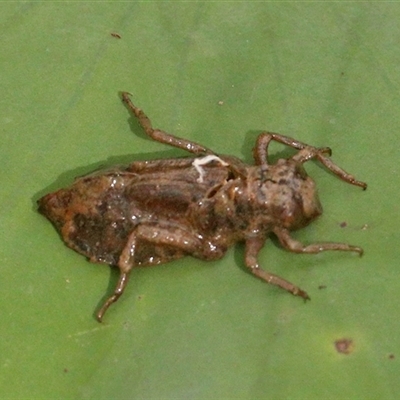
344, 346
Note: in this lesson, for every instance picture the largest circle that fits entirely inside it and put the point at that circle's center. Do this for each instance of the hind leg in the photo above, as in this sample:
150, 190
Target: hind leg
161, 136
157, 244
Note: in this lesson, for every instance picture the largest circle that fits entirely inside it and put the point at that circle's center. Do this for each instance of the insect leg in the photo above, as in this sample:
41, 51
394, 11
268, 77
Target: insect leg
312, 152
306, 153
161, 164
260, 150
119, 289
181, 239
253, 246
125, 265
161, 136
295, 246
158, 237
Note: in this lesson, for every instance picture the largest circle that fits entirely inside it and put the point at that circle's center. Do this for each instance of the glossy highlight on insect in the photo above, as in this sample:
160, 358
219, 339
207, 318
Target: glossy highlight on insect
155, 211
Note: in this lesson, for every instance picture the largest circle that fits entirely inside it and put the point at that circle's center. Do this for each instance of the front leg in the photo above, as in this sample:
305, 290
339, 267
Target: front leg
253, 247
297, 247
161, 136
306, 152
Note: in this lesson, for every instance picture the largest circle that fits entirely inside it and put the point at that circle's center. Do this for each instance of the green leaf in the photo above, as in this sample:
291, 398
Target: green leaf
218, 72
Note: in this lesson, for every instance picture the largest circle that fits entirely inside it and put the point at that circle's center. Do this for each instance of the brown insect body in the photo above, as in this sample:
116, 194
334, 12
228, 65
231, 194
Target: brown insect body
152, 212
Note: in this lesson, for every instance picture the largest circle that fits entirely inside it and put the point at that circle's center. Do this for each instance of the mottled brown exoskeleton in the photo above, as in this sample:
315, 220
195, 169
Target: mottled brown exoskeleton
152, 212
